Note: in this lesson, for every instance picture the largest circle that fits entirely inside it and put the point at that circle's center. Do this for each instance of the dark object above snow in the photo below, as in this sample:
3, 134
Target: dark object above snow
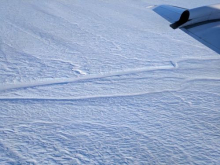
202, 23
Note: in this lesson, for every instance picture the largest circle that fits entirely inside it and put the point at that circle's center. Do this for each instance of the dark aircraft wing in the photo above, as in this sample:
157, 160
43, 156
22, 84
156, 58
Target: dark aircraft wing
202, 23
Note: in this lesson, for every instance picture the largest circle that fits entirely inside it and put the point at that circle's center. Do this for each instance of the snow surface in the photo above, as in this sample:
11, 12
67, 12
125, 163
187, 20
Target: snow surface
105, 82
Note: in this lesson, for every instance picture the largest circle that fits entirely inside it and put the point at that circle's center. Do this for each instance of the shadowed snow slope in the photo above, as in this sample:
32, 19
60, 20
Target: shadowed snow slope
104, 82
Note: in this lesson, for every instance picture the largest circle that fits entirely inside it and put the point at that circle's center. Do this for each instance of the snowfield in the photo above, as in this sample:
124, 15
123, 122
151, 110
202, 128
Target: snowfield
105, 82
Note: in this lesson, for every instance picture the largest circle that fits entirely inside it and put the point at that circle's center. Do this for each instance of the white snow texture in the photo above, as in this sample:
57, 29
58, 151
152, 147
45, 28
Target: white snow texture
105, 82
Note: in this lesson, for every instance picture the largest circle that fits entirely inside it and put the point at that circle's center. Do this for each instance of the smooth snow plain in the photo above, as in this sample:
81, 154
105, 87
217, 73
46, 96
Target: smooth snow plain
105, 82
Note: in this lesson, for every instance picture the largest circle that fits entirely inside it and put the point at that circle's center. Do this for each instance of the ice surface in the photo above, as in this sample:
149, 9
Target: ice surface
105, 82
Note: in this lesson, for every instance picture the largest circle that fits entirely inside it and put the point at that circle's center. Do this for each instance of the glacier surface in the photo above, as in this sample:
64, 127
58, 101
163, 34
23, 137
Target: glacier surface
105, 82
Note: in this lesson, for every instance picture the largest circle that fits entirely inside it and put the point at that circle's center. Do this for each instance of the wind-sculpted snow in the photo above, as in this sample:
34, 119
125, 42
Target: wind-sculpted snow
104, 82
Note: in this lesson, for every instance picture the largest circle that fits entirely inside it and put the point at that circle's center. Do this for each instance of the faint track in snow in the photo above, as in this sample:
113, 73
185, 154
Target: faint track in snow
175, 92
83, 97
89, 77
203, 79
